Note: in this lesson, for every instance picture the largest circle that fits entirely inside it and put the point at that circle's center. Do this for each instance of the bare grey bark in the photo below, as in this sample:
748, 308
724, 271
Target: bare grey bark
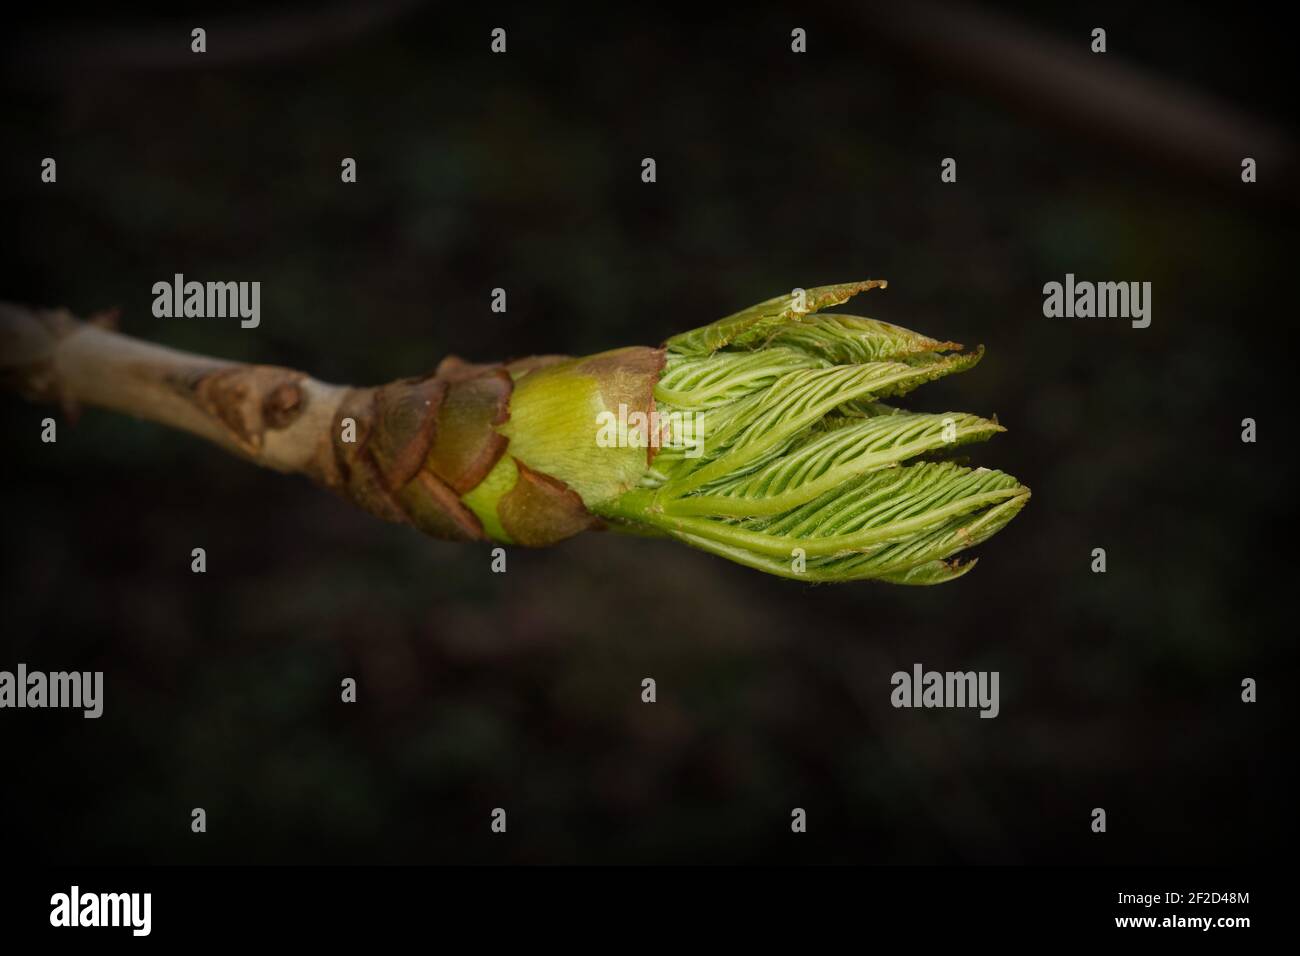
274, 416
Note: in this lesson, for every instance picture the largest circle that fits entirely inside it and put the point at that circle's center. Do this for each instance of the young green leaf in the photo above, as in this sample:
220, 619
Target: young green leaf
827, 459
798, 467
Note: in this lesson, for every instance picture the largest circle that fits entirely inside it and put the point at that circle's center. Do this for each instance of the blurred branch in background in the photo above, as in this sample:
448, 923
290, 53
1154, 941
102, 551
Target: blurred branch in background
1058, 81
244, 38
1100, 96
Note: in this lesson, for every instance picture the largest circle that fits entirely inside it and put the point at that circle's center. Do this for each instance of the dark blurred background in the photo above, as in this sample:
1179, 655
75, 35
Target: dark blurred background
775, 170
